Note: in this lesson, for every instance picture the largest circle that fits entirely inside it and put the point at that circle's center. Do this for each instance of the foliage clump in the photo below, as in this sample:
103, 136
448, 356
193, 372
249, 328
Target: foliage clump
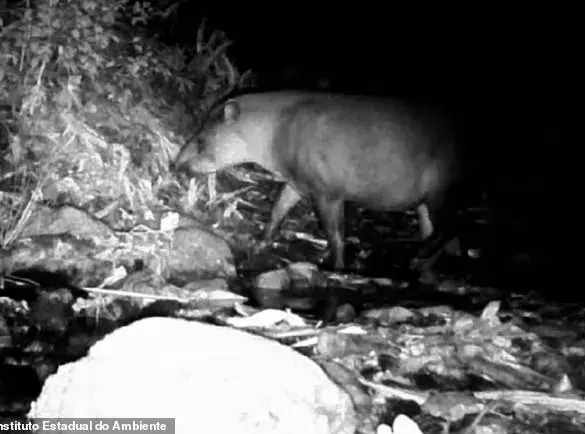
93, 107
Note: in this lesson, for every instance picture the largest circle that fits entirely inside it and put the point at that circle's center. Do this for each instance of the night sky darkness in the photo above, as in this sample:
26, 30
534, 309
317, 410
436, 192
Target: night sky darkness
455, 55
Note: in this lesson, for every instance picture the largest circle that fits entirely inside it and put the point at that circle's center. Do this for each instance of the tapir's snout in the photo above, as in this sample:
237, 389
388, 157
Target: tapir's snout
179, 166
190, 161
176, 165
184, 159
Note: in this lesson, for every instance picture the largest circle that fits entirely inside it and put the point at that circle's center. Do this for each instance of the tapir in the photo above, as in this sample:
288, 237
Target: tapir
380, 153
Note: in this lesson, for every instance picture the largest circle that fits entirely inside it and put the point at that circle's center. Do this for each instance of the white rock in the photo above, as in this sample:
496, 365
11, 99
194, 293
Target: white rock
405, 425
210, 379
384, 429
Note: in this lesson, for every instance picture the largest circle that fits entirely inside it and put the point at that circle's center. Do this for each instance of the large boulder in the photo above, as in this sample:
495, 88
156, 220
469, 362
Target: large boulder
211, 379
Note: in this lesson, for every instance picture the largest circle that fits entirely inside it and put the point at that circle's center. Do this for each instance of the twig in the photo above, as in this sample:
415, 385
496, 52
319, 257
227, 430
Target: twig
120, 293
523, 397
530, 398
396, 392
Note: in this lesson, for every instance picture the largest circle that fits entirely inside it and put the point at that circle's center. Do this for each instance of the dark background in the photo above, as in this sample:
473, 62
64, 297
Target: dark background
456, 55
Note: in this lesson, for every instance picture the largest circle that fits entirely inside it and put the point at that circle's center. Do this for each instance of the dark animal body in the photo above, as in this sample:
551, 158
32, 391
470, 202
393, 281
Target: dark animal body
383, 154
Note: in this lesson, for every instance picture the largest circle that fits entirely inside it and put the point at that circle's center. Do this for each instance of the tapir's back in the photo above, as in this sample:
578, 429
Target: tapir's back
381, 152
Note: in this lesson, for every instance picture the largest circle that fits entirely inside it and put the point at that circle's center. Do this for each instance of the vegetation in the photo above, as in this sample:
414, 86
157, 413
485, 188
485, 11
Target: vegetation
93, 107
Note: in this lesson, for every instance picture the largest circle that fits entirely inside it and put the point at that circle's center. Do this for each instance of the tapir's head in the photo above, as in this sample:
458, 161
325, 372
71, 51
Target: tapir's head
221, 143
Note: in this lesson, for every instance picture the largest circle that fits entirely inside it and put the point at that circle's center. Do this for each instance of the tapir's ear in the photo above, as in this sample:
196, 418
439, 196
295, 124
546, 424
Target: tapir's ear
231, 111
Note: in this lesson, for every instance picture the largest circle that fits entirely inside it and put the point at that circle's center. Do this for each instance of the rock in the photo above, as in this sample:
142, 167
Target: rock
210, 379
66, 219
197, 254
88, 252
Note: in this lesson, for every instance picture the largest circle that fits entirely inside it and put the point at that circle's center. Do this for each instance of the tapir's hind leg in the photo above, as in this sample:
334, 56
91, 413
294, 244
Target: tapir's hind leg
438, 220
425, 222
